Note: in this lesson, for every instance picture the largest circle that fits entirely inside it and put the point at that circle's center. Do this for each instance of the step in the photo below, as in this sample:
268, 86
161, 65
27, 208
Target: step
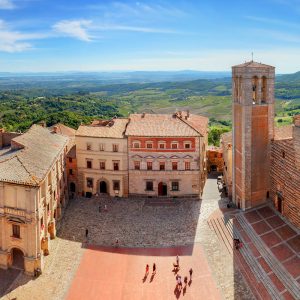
287, 280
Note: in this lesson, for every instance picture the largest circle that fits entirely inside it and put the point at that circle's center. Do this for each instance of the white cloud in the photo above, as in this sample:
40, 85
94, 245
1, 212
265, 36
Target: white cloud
13, 41
7, 4
134, 28
75, 28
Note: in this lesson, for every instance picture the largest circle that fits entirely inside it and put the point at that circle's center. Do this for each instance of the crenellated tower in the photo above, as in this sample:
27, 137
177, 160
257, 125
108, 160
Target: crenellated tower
253, 130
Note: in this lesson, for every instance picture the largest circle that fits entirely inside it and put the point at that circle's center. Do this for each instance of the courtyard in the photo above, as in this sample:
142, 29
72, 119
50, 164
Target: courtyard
148, 231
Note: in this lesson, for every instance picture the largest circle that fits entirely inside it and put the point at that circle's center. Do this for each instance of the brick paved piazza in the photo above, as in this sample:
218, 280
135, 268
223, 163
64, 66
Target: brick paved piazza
92, 269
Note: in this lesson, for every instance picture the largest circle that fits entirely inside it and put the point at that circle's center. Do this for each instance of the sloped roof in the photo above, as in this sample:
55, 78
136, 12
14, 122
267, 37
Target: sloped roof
110, 129
63, 129
252, 64
283, 132
161, 125
31, 156
227, 137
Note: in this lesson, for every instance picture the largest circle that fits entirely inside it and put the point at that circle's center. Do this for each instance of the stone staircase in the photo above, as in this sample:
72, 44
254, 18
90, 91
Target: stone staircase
224, 229
287, 280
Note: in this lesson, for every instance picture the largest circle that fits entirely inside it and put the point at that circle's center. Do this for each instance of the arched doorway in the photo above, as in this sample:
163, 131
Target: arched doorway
103, 187
17, 258
162, 189
72, 187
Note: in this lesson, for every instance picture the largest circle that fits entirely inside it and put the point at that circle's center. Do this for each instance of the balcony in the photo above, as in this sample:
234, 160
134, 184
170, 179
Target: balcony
14, 212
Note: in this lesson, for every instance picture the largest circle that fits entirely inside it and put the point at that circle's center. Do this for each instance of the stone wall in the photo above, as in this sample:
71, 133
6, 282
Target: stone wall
285, 179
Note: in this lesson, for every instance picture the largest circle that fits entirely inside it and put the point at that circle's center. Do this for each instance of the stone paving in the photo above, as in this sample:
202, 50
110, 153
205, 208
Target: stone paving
135, 224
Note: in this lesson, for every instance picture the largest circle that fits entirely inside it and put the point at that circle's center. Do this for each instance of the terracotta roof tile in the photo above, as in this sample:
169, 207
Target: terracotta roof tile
283, 132
114, 128
166, 125
252, 64
30, 162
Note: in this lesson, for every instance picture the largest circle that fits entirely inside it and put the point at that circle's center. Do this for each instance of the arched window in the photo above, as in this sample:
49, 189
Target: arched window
264, 89
240, 90
255, 89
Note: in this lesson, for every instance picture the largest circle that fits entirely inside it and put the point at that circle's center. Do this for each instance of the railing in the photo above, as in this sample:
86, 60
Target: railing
14, 211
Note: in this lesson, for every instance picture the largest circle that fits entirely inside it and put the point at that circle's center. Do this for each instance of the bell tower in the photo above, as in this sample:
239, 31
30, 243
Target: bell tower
253, 130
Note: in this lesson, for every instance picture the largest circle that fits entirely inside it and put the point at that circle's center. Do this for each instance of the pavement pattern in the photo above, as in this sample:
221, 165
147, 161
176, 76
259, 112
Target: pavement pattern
138, 225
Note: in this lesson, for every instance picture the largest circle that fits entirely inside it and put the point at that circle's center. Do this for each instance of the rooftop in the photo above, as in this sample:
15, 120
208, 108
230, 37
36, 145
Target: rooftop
114, 128
283, 132
31, 156
63, 129
252, 64
179, 124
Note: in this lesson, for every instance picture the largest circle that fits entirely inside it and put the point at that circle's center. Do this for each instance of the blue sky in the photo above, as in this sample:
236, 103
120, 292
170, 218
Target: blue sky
90, 35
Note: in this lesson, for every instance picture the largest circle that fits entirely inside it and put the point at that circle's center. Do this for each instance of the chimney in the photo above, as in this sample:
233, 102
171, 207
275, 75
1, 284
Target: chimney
180, 114
42, 123
143, 115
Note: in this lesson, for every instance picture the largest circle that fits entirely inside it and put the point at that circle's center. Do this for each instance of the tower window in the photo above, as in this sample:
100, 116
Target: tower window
283, 154
264, 89
254, 90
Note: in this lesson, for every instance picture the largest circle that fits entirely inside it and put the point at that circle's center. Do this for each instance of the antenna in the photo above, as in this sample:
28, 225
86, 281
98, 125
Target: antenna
252, 56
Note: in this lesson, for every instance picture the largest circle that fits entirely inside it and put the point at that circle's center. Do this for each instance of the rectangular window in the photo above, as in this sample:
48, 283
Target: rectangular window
70, 171
162, 166
174, 165
102, 165
42, 222
16, 231
89, 164
149, 165
115, 148
116, 185
187, 165
162, 145
174, 146
149, 185
101, 147
88, 146
149, 145
187, 145
136, 144
89, 182
70, 159
137, 165
175, 186
116, 165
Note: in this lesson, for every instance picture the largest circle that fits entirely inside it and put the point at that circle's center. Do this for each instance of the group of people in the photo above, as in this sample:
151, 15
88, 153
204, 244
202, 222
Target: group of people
176, 269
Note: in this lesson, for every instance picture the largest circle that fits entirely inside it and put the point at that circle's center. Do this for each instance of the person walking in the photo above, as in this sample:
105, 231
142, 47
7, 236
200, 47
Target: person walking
191, 273
177, 260
86, 232
105, 207
154, 268
147, 269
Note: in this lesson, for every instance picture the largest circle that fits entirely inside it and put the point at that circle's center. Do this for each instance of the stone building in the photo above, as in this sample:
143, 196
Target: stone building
226, 145
71, 161
215, 160
167, 154
285, 171
253, 130
101, 150
33, 191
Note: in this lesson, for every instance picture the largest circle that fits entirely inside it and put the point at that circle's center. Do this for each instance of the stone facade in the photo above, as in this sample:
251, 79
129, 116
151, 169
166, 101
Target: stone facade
32, 196
285, 167
102, 162
226, 145
163, 161
215, 161
253, 130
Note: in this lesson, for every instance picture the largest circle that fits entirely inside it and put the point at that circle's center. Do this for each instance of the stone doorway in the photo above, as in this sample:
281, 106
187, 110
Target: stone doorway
72, 187
162, 189
17, 258
103, 187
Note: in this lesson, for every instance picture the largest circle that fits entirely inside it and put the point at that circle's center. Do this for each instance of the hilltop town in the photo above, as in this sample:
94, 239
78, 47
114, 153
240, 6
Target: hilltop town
150, 185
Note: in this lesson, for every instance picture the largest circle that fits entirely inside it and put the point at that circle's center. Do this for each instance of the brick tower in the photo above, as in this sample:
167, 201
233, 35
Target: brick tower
253, 130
